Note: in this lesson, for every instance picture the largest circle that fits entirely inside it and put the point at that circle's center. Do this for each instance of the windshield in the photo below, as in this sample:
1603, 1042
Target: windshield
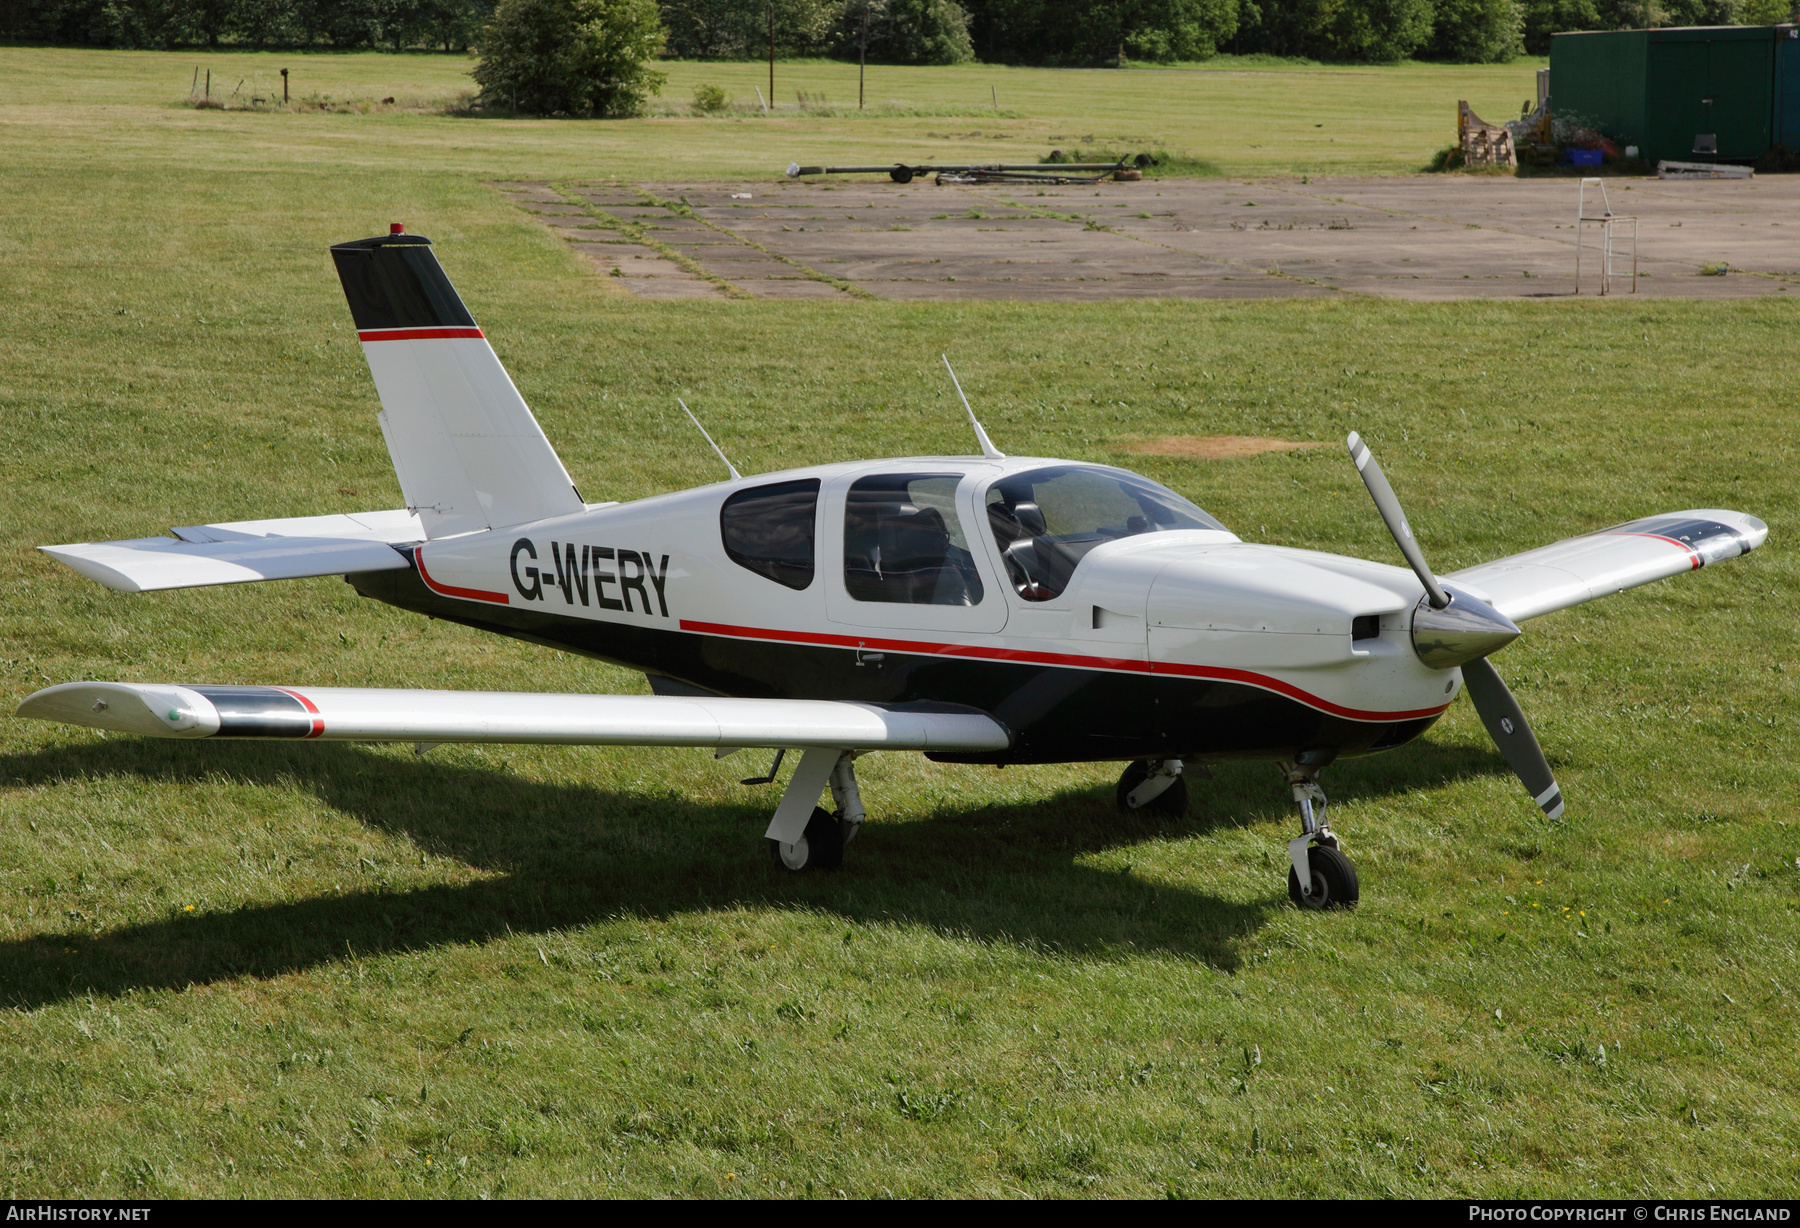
1046, 520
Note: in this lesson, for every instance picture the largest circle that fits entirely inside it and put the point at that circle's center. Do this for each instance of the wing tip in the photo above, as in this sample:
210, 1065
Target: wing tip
69, 556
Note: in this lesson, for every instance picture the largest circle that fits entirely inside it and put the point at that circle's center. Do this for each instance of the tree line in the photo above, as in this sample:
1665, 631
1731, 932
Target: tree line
1050, 32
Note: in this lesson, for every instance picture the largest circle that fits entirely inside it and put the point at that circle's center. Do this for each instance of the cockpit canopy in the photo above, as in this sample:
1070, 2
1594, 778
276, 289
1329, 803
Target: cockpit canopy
1046, 520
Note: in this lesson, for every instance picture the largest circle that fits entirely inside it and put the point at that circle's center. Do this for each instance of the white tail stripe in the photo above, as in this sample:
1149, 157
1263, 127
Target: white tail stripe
468, 452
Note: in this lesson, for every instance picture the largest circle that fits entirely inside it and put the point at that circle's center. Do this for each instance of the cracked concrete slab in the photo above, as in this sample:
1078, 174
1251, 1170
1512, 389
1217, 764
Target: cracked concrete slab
1423, 238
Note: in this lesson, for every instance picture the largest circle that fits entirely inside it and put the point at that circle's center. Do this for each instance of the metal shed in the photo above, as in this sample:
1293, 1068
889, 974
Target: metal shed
1787, 87
1706, 91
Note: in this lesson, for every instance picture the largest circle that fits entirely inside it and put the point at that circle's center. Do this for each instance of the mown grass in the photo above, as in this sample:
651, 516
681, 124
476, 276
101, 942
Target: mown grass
1241, 118
289, 970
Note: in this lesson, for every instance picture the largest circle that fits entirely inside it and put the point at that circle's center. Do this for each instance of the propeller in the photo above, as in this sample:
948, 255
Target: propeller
1506, 724
1451, 627
1388, 504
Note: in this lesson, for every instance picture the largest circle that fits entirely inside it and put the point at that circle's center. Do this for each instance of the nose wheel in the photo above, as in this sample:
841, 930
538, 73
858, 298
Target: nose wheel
1332, 880
1319, 875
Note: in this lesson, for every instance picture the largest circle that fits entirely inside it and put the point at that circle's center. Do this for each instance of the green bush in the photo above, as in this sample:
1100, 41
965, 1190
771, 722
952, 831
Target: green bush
1365, 31
906, 31
1542, 18
739, 29
1476, 31
448, 25
1092, 31
1764, 12
571, 57
710, 99
1165, 30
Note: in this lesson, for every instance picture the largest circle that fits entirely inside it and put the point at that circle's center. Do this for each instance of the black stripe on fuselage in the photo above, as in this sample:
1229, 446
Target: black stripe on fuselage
1059, 714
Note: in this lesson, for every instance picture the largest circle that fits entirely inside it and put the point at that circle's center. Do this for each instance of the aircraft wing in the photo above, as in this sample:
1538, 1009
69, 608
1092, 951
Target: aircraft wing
246, 550
1579, 569
369, 715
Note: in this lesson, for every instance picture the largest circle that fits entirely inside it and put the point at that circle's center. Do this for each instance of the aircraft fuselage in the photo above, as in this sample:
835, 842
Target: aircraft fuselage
1159, 642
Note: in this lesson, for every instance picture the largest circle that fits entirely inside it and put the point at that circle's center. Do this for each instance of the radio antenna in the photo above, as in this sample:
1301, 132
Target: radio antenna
735, 475
988, 450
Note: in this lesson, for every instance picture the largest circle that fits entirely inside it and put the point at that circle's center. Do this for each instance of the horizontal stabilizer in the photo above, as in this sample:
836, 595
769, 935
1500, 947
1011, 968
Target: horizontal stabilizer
1579, 569
365, 715
397, 527
245, 550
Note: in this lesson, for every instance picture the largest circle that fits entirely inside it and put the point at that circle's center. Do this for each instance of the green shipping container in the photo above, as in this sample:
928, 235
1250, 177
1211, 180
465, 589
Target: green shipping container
1787, 88
1665, 91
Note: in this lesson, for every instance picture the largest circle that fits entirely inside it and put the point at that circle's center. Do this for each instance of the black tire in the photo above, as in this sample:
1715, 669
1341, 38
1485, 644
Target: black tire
1333, 880
901, 174
820, 848
1171, 803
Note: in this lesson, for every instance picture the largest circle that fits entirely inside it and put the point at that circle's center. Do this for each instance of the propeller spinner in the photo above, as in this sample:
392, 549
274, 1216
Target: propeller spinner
1451, 627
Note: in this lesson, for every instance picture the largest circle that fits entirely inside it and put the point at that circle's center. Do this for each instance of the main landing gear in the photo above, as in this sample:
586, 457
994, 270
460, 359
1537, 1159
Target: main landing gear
1153, 787
1319, 875
804, 835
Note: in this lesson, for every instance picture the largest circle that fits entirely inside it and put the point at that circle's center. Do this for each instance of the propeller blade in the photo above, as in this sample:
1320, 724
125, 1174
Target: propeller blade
1388, 504
1511, 732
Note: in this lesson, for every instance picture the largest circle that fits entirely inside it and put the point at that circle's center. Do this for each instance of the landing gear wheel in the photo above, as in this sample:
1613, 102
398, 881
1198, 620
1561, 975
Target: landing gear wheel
820, 848
1333, 880
901, 174
1171, 803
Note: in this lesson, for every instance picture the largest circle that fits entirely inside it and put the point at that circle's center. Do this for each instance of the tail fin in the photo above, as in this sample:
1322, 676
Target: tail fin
468, 452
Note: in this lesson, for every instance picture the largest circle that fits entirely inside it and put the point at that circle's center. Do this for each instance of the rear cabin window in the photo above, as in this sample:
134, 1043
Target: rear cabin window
1046, 520
769, 529
903, 542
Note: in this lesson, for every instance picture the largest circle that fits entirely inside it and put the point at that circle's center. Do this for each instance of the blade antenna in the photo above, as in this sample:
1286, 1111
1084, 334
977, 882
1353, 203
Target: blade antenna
735, 475
988, 450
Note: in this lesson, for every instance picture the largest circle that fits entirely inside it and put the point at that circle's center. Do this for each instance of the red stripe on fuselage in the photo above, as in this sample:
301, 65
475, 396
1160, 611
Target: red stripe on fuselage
415, 334
450, 590
1029, 657
318, 724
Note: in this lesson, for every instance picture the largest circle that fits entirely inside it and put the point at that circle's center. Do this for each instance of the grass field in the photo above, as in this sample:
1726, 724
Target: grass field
289, 970
1254, 119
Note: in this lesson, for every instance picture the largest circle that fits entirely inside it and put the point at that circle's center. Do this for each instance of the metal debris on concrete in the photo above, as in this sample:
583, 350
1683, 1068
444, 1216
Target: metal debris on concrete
1702, 170
900, 172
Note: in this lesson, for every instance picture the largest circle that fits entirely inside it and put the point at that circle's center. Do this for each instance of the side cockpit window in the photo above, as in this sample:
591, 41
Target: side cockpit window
904, 543
769, 529
1045, 521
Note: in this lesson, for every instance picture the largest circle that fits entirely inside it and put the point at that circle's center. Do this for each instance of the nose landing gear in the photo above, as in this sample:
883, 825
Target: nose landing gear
1319, 875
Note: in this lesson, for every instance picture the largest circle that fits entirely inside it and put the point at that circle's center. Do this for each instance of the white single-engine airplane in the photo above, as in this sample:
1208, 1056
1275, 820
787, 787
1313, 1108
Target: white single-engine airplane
988, 609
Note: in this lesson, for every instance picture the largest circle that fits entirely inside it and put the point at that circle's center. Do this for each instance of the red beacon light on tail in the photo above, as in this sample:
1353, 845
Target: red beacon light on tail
396, 228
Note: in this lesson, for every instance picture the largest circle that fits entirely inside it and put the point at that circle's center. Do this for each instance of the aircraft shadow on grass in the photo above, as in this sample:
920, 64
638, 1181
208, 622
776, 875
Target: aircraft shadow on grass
571, 854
